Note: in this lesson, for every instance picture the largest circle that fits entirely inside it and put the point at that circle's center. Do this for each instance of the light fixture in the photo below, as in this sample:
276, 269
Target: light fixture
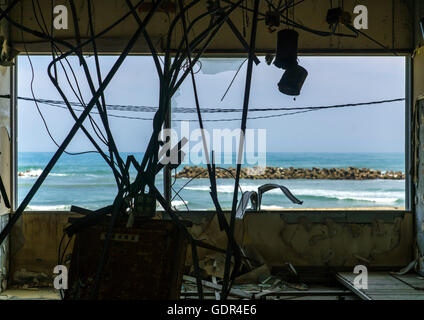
292, 81
286, 58
286, 55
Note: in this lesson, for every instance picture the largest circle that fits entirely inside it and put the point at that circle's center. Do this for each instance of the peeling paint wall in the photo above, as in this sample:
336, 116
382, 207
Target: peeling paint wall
307, 243
417, 124
418, 178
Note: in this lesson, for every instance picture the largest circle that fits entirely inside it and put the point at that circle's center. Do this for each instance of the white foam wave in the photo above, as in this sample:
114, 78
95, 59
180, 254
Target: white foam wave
368, 196
272, 207
178, 203
175, 203
223, 189
49, 208
35, 173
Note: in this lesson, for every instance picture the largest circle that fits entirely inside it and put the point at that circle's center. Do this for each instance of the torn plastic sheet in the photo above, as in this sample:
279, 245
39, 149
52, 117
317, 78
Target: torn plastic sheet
218, 65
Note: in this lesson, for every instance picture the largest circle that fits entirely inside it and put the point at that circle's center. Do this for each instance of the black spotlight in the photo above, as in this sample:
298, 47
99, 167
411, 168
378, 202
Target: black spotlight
286, 58
292, 81
286, 55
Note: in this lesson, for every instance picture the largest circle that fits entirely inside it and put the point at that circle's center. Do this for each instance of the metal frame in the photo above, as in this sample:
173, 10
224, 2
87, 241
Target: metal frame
408, 128
14, 137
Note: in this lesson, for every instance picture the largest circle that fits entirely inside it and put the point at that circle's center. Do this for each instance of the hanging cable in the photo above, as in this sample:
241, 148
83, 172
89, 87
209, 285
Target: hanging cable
296, 110
35, 100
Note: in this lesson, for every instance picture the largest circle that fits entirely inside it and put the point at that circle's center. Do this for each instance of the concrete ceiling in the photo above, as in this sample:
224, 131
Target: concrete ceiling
391, 22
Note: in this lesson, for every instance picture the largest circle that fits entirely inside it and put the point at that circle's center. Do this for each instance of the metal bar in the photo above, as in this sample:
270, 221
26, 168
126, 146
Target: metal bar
351, 287
225, 285
222, 222
408, 126
241, 39
148, 40
61, 93
14, 136
99, 80
193, 244
103, 113
217, 25
167, 177
157, 123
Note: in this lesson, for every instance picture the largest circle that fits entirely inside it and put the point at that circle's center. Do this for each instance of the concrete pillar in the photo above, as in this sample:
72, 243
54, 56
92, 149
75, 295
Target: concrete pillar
7, 142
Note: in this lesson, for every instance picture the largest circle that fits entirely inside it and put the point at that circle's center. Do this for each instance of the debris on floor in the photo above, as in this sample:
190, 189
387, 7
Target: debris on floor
255, 280
25, 279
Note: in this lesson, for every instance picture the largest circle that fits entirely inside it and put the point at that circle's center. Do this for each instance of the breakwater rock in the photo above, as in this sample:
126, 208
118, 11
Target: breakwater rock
350, 173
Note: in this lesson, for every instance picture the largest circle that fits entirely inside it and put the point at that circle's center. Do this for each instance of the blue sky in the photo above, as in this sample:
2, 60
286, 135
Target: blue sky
331, 80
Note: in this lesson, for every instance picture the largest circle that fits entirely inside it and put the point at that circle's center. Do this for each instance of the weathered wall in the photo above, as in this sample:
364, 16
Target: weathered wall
390, 22
5, 164
7, 138
418, 74
417, 125
385, 241
34, 244
310, 241
418, 177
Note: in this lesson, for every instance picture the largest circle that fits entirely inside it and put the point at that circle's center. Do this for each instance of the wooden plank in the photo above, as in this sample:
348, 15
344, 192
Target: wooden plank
412, 280
382, 286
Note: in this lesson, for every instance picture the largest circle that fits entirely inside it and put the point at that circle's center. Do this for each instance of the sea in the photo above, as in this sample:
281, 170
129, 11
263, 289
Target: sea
87, 181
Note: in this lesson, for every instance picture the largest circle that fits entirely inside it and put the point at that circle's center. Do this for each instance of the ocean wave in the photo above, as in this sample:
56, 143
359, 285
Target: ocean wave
175, 203
367, 196
272, 207
92, 175
49, 208
35, 173
178, 203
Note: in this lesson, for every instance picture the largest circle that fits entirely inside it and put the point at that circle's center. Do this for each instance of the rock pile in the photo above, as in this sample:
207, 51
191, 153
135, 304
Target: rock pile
350, 173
